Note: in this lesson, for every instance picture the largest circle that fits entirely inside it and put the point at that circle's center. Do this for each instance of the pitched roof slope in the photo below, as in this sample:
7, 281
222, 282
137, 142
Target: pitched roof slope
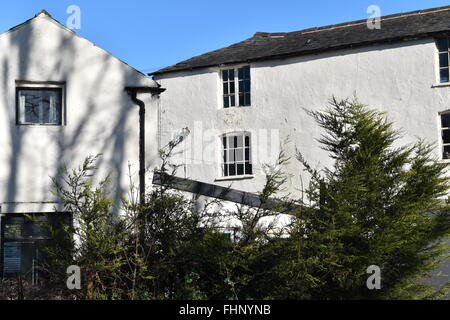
45, 15
263, 46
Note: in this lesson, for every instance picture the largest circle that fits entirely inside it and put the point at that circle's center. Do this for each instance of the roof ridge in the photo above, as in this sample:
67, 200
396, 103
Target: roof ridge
43, 12
352, 23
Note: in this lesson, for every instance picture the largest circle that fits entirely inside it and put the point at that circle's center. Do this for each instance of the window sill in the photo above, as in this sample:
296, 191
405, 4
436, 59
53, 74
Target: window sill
245, 177
239, 107
440, 85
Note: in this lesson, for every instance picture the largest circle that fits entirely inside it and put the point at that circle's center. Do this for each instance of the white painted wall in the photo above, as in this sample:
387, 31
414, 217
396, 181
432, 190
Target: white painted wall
100, 116
397, 78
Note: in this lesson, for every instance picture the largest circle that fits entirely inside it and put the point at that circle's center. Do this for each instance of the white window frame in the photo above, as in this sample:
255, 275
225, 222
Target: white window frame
439, 68
222, 163
236, 86
36, 85
442, 145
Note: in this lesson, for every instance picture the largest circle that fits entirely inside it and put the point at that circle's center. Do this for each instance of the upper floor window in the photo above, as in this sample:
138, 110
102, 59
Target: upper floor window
236, 87
39, 105
445, 133
443, 46
236, 151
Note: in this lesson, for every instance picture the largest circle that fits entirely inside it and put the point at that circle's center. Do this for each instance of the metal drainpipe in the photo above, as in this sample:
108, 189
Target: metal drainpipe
133, 91
141, 105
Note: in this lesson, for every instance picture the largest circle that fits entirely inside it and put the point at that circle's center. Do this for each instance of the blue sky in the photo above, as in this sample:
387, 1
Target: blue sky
151, 34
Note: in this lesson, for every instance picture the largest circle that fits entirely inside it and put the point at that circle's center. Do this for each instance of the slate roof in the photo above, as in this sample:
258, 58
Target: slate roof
264, 46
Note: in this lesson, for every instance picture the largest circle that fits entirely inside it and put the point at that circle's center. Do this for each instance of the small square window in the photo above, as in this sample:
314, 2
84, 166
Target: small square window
39, 106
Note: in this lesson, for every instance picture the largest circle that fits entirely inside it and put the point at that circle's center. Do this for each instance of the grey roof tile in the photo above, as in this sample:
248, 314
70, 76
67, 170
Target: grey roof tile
264, 46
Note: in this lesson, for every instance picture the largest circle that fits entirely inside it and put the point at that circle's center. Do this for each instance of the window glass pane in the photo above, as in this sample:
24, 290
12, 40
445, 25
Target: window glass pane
244, 73
232, 87
247, 141
224, 142
446, 136
239, 155
230, 141
247, 72
241, 86
39, 106
235, 141
241, 73
240, 141
247, 101
225, 88
248, 168
225, 170
247, 154
444, 75
226, 102
50, 103
233, 101
231, 157
247, 85
443, 60
240, 169
445, 120
232, 169
443, 45
446, 154
231, 74
225, 75
241, 99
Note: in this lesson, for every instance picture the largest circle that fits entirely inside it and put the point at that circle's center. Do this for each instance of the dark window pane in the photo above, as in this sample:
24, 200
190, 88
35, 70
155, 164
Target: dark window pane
247, 154
244, 73
445, 120
235, 141
226, 102
241, 86
248, 168
225, 75
225, 170
233, 101
446, 136
231, 74
247, 141
225, 88
446, 154
241, 99
231, 170
247, 85
232, 89
240, 169
247, 72
443, 60
224, 156
444, 75
247, 101
224, 142
241, 73
443, 45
